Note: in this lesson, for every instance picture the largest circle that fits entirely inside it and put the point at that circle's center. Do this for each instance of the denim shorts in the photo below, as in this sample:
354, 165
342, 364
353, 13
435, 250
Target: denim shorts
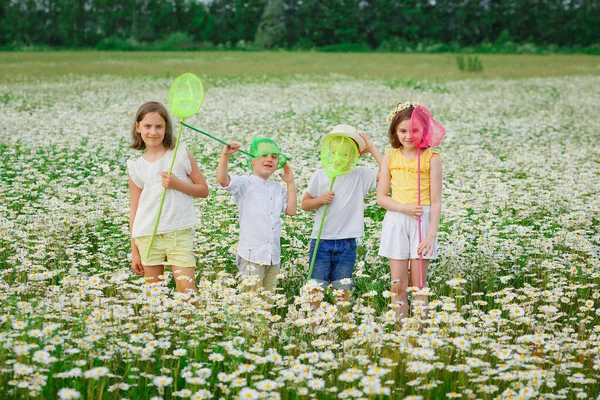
334, 262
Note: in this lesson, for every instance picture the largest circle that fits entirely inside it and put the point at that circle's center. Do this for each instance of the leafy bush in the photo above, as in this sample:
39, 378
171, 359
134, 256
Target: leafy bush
469, 64
175, 41
114, 43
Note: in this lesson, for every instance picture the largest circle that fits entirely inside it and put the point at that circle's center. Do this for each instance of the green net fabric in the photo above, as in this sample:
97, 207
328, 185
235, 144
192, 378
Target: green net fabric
261, 146
339, 155
186, 95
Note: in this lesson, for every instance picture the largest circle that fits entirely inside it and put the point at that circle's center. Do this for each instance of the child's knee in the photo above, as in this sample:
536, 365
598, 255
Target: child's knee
399, 288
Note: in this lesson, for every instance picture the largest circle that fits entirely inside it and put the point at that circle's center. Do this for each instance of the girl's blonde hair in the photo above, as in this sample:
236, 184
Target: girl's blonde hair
397, 120
146, 108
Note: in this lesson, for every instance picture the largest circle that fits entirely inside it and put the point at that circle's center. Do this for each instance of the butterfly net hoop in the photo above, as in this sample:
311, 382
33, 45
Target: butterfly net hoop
261, 146
425, 131
339, 155
186, 95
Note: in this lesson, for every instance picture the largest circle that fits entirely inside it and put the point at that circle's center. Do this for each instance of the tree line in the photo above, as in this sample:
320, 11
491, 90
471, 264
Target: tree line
301, 24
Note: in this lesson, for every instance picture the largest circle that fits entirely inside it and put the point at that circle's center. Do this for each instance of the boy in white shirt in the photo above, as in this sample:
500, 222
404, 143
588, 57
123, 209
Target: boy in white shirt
261, 203
344, 222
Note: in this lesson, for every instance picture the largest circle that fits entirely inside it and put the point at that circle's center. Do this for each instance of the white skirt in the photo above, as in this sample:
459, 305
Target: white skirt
400, 236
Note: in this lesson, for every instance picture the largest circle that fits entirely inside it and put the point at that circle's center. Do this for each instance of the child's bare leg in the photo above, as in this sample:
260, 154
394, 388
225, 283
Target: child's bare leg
419, 301
153, 272
399, 272
184, 279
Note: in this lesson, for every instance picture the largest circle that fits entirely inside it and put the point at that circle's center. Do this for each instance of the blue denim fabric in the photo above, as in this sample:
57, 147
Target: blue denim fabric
334, 262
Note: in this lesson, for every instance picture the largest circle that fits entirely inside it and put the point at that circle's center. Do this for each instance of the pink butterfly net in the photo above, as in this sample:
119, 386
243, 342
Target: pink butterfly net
426, 132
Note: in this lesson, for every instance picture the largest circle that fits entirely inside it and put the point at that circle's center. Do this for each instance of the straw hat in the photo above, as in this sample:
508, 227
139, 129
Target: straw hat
346, 130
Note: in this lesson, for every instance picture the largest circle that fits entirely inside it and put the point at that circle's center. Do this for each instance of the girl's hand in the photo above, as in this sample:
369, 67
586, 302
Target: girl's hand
412, 210
169, 181
232, 148
368, 144
288, 175
426, 246
326, 197
136, 263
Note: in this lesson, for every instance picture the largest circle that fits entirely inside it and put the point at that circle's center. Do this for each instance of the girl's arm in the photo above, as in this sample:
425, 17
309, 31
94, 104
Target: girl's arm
383, 190
435, 176
198, 187
134, 196
292, 200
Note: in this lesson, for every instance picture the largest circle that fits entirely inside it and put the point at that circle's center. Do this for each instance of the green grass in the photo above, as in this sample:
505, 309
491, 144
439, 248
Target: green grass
16, 65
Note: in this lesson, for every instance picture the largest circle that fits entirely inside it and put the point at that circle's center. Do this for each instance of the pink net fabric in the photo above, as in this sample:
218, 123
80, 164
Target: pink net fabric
425, 131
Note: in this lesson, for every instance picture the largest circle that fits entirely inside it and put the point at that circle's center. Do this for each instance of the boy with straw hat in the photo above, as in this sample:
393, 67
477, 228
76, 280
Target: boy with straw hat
336, 254
260, 202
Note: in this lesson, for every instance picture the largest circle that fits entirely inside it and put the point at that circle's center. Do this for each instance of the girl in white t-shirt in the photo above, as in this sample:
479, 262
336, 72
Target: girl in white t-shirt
148, 175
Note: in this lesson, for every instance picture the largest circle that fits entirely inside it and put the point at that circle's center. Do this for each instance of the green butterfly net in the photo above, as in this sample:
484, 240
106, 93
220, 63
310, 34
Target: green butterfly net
186, 96
339, 155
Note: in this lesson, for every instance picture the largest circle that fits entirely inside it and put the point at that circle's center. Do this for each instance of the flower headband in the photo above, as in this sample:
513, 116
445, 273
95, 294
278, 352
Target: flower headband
400, 107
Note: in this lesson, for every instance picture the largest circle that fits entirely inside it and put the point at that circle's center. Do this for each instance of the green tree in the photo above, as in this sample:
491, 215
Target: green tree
271, 29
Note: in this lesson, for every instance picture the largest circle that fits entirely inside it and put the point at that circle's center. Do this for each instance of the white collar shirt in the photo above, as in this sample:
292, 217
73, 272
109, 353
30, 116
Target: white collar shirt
260, 203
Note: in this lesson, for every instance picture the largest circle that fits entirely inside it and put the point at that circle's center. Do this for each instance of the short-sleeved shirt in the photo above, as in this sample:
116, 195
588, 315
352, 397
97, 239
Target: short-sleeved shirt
260, 203
345, 217
178, 210
404, 182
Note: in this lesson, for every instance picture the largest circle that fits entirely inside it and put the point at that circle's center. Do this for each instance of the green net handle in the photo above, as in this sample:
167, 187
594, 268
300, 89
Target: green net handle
314, 255
213, 137
162, 197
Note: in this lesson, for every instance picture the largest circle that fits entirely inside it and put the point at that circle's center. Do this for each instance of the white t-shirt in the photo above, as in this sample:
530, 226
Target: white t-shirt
345, 217
261, 203
178, 209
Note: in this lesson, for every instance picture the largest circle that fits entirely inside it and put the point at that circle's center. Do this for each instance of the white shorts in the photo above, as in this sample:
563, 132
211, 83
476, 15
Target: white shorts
400, 236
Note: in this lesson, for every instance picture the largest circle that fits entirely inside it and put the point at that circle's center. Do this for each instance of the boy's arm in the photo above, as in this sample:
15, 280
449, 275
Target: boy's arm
310, 203
371, 148
291, 207
223, 167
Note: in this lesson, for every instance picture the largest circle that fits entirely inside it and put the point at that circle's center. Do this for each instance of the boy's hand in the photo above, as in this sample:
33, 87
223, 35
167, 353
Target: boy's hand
288, 174
232, 148
368, 144
426, 246
326, 197
412, 210
169, 181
